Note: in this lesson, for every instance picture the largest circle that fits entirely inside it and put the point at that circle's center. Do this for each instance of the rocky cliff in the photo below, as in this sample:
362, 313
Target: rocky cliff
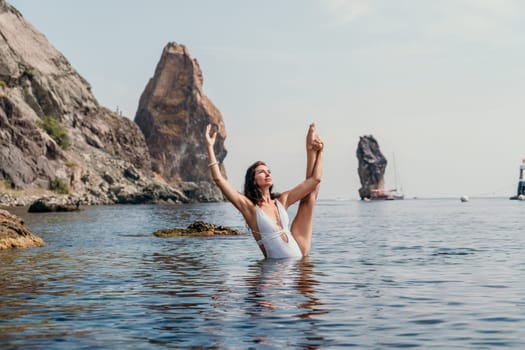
173, 113
54, 134
372, 166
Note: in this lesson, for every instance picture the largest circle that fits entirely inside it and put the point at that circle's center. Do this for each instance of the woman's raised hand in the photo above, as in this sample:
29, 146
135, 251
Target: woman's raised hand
210, 139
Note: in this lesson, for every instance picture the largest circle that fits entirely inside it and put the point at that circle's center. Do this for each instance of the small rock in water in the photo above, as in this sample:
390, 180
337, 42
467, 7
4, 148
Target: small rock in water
197, 229
14, 234
464, 198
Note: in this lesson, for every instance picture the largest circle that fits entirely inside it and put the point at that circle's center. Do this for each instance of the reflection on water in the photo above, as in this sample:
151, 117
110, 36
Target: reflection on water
284, 289
270, 283
426, 274
197, 302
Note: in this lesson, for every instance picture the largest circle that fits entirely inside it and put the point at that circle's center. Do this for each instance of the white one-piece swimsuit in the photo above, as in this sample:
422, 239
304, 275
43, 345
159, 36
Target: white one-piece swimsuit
276, 247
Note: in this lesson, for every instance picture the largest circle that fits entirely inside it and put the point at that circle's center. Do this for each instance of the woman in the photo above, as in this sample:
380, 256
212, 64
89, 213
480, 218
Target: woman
265, 212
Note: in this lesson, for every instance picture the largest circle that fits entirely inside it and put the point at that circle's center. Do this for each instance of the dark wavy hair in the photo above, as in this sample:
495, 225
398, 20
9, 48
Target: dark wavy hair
250, 189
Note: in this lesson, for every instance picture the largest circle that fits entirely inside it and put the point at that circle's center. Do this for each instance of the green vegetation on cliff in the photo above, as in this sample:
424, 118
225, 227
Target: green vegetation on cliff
59, 186
5, 184
57, 132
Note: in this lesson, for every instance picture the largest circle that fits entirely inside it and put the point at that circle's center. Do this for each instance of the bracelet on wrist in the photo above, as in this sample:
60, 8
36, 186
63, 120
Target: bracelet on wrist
212, 164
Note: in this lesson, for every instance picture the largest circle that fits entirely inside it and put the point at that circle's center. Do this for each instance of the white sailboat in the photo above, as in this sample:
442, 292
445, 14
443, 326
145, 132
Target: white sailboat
396, 193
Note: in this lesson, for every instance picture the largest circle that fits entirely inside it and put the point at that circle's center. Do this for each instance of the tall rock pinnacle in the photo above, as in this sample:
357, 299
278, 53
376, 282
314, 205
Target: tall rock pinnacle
372, 166
173, 113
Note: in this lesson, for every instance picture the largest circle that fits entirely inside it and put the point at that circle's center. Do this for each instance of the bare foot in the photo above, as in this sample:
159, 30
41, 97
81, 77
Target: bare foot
310, 137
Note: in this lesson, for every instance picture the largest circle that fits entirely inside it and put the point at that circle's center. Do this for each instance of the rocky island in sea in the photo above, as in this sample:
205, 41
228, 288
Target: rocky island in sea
56, 139
372, 167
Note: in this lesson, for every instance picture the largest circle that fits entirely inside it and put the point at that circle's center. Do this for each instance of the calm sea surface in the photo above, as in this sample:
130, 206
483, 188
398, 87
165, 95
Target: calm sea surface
429, 274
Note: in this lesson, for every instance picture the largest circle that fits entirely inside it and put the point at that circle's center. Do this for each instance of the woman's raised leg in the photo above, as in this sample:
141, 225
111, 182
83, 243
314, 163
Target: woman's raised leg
302, 225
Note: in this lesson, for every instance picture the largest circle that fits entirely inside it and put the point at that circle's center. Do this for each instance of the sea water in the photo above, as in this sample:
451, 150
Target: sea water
429, 274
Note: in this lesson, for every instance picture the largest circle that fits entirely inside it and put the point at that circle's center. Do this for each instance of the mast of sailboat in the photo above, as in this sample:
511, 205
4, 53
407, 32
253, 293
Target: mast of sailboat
395, 170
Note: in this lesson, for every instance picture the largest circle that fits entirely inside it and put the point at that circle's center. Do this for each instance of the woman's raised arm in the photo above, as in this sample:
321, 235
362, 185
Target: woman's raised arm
241, 202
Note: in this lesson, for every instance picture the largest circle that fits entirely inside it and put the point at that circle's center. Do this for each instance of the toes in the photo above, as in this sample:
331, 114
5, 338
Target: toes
311, 131
310, 137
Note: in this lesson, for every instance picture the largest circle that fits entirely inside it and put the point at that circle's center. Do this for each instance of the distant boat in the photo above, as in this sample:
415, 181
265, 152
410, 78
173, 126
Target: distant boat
388, 195
380, 194
396, 193
464, 199
520, 195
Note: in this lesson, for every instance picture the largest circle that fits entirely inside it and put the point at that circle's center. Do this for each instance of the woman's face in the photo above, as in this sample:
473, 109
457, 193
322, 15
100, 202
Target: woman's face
263, 176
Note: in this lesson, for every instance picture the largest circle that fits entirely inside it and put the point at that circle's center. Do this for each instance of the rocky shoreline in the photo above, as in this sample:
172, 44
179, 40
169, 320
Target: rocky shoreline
61, 150
14, 234
38, 200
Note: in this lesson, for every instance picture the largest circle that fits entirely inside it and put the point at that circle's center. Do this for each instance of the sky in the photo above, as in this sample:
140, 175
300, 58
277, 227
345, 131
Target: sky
439, 84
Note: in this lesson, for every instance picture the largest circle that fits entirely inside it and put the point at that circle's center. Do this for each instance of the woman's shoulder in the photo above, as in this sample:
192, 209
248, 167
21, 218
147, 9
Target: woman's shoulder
282, 199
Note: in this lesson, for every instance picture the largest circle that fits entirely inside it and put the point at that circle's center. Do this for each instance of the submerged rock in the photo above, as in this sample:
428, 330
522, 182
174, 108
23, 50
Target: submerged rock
197, 229
14, 234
